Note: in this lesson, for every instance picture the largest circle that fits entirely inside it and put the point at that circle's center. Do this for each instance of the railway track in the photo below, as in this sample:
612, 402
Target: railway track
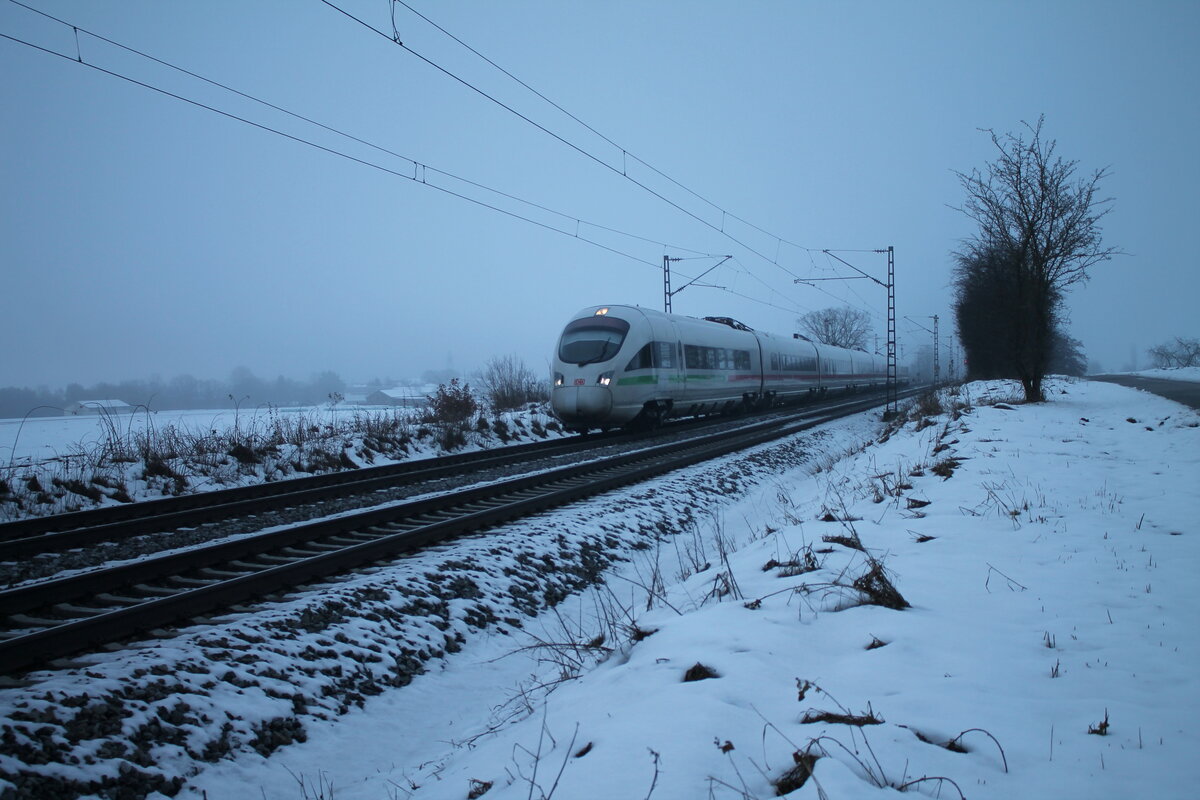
39, 535
112, 523
54, 618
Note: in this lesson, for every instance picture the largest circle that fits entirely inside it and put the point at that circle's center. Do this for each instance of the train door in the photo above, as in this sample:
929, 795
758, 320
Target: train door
672, 378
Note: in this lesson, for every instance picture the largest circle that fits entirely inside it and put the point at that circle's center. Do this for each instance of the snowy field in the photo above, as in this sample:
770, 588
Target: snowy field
1051, 577
40, 439
1043, 557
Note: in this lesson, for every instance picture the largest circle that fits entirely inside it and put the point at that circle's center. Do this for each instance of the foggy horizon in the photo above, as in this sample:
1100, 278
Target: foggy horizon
141, 235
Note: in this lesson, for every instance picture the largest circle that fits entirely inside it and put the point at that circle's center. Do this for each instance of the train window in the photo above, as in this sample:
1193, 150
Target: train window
698, 357
664, 355
592, 340
654, 355
643, 360
793, 363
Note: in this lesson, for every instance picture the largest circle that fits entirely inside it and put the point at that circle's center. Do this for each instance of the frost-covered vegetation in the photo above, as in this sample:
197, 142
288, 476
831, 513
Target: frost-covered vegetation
122, 458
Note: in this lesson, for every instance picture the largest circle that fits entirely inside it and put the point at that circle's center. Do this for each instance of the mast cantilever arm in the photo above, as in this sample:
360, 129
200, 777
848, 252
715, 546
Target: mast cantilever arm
856, 269
701, 275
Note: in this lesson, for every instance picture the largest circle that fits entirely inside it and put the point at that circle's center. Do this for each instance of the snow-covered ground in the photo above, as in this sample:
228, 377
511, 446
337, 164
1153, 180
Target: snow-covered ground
51, 465
1190, 374
1051, 577
1047, 553
40, 439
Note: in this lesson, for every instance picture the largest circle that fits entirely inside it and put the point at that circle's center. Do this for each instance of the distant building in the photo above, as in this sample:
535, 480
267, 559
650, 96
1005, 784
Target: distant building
404, 396
355, 395
82, 407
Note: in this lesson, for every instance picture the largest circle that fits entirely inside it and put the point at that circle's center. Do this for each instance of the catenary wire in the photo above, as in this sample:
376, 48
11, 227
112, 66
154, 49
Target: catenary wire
547, 131
624, 151
330, 150
424, 168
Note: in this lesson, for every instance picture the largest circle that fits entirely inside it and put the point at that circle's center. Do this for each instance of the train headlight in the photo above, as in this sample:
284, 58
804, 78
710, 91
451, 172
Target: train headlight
605, 378
559, 380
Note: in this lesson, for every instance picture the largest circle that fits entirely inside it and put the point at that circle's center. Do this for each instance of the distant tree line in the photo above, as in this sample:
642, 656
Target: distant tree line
243, 388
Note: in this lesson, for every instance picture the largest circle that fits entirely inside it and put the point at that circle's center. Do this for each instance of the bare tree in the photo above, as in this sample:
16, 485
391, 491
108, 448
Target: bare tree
1179, 353
1040, 224
840, 327
508, 384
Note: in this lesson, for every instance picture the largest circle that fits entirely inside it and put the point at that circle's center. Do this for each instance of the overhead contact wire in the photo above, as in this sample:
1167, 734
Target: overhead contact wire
570, 144
624, 152
424, 168
331, 150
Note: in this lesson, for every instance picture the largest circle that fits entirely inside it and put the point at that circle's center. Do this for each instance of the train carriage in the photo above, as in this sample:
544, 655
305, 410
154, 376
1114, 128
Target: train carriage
618, 365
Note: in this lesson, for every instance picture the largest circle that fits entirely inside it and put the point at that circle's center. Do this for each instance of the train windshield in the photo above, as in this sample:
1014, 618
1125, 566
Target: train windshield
592, 340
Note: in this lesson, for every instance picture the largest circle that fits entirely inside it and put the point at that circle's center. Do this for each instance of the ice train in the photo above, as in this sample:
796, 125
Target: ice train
617, 366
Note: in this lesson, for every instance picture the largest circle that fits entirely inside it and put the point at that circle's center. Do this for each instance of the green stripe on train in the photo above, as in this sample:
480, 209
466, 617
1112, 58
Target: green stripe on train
642, 380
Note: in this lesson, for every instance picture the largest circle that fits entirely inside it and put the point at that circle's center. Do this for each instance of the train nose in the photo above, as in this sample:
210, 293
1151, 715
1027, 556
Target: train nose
581, 403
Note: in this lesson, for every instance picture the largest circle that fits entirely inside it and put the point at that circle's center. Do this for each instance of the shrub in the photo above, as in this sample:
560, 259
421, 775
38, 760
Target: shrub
452, 403
508, 384
929, 404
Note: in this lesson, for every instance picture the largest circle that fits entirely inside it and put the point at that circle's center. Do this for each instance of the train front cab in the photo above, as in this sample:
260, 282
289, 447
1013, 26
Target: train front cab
582, 394
612, 364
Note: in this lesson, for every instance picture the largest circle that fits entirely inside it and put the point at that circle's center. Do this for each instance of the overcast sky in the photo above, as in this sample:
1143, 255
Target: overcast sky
141, 235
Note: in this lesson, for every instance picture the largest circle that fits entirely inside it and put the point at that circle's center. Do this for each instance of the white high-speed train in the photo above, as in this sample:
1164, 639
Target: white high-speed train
617, 365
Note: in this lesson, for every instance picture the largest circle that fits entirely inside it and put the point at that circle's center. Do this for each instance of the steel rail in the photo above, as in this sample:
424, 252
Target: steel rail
201, 507
321, 549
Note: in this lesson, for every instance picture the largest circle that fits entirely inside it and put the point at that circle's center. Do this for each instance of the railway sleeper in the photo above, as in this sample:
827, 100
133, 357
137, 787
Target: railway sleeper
219, 574
350, 539
524, 494
288, 555
326, 545
249, 566
444, 516
190, 583
79, 611
601, 475
158, 591
482, 505
388, 528
418, 521
27, 621
120, 599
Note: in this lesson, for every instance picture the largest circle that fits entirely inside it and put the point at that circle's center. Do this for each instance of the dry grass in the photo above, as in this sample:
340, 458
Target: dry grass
838, 718
128, 461
877, 586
